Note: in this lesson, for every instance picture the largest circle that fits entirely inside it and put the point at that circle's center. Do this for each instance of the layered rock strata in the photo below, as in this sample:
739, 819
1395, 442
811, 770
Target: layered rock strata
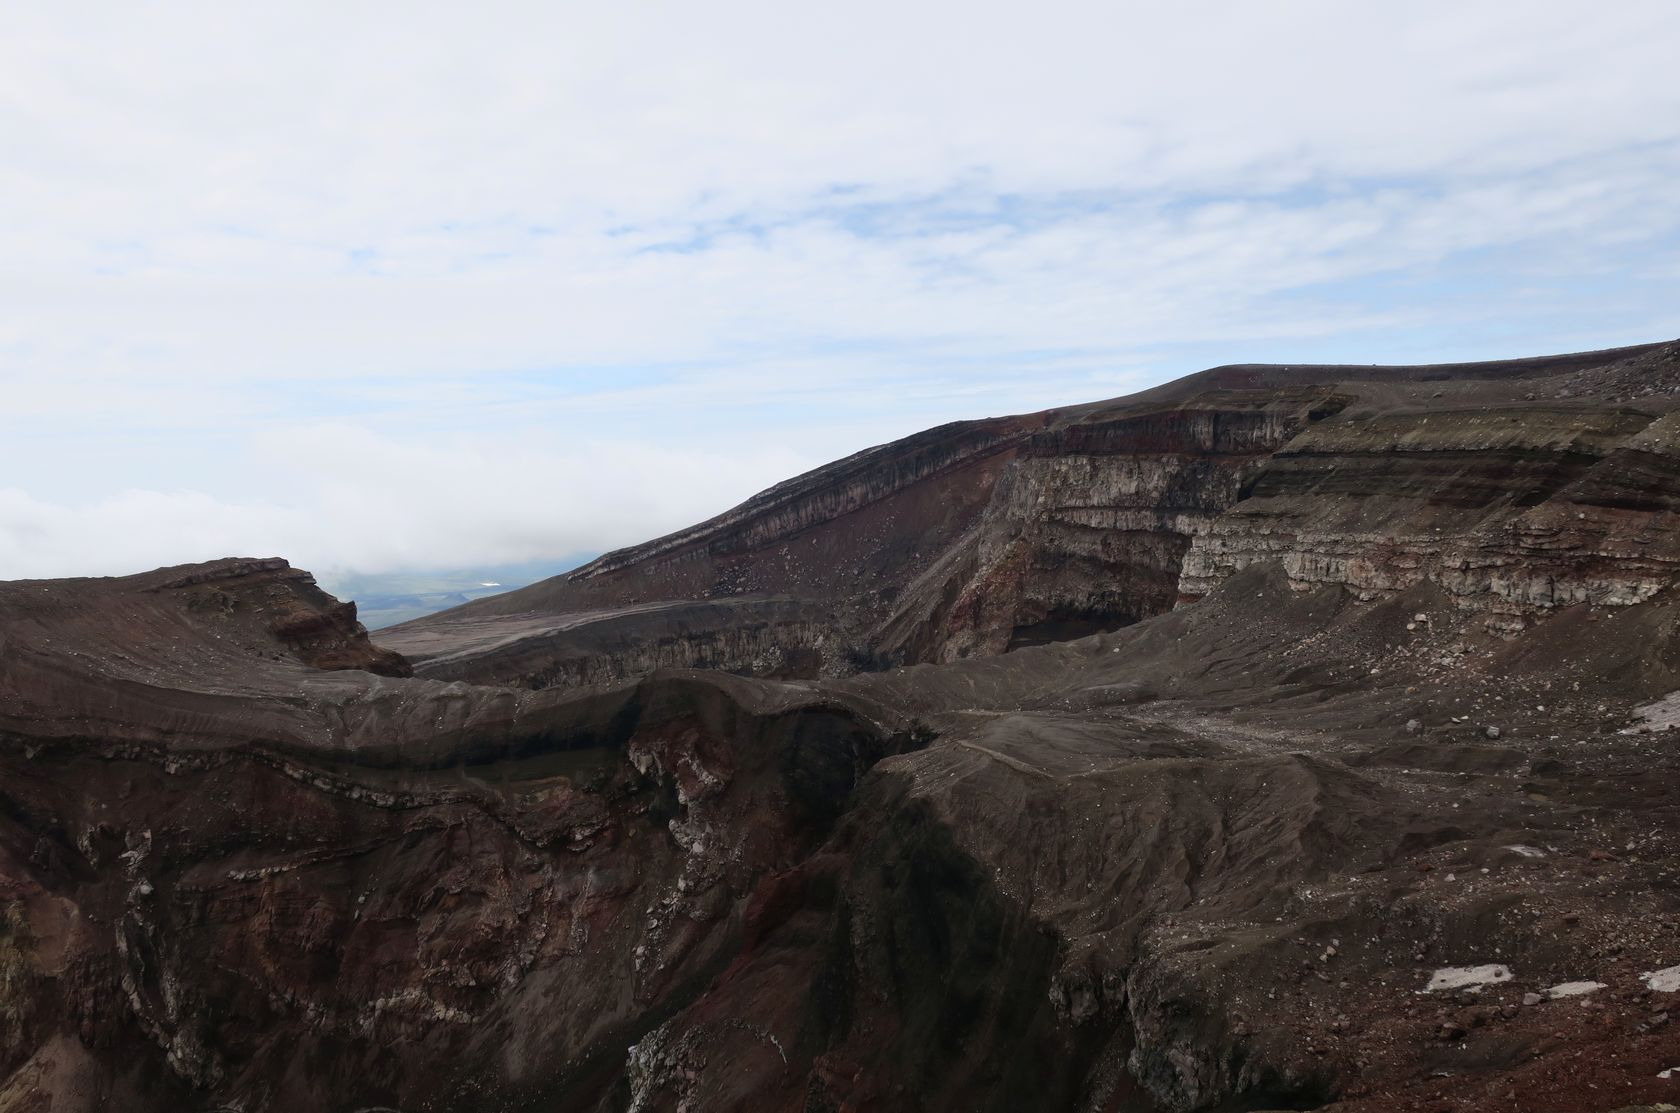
1517, 486
1212, 860
1372, 701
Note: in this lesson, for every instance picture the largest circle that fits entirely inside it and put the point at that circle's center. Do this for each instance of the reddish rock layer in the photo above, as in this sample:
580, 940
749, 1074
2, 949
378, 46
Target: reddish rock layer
1519, 486
1390, 694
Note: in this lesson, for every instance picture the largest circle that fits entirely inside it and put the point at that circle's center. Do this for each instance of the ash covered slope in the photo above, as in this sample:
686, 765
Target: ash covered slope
220, 655
978, 537
1212, 861
1396, 719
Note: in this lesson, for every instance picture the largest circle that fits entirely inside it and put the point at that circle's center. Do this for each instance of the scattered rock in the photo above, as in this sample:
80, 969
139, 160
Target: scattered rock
1020, 831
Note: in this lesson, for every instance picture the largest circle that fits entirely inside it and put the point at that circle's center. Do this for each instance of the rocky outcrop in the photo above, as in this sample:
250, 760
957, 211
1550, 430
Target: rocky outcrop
1214, 854
319, 905
1087, 530
1517, 486
760, 637
1514, 510
266, 600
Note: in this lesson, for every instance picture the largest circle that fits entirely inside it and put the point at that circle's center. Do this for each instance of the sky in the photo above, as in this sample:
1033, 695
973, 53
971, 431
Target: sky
380, 286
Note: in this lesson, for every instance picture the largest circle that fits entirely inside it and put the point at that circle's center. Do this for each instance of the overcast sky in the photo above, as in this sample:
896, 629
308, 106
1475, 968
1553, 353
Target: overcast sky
380, 286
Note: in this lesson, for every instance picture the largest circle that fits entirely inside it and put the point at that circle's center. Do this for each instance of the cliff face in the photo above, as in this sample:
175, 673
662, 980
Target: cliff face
1514, 511
1199, 863
760, 636
221, 921
1366, 751
1088, 528
1517, 486
229, 877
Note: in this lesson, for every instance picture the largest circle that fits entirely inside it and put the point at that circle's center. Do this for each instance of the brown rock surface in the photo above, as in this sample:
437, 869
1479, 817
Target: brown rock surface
1198, 860
1519, 486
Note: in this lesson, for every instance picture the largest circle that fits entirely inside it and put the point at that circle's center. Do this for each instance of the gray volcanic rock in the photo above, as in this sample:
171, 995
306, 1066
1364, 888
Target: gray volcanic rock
760, 636
1251, 843
978, 537
1515, 507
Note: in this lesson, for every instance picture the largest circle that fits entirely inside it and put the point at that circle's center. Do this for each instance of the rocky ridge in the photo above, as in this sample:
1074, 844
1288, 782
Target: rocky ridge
1359, 793
978, 537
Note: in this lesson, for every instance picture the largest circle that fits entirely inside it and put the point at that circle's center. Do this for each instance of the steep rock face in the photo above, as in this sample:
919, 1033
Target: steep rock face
929, 549
816, 561
233, 916
1515, 508
898, 503
762, 637
236, 887
1210, 860
1088, 528
1200, 864
867, 478
267, 604
1519, 486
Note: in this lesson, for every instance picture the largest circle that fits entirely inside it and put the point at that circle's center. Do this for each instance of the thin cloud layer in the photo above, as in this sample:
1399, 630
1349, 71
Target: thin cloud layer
464, 286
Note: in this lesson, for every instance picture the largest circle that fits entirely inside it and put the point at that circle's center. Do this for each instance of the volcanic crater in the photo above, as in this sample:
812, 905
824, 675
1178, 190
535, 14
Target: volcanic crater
1279, 738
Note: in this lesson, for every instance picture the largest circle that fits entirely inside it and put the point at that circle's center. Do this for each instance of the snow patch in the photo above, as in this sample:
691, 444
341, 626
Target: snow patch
1666, 980
1658, 714
1467, 977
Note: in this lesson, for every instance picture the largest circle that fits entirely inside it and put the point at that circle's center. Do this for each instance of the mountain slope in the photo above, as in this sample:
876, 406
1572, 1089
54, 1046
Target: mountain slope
1370, 801
976, 537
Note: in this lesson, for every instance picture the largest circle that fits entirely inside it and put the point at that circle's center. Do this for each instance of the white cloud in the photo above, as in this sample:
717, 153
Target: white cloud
308, 280
338, 498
